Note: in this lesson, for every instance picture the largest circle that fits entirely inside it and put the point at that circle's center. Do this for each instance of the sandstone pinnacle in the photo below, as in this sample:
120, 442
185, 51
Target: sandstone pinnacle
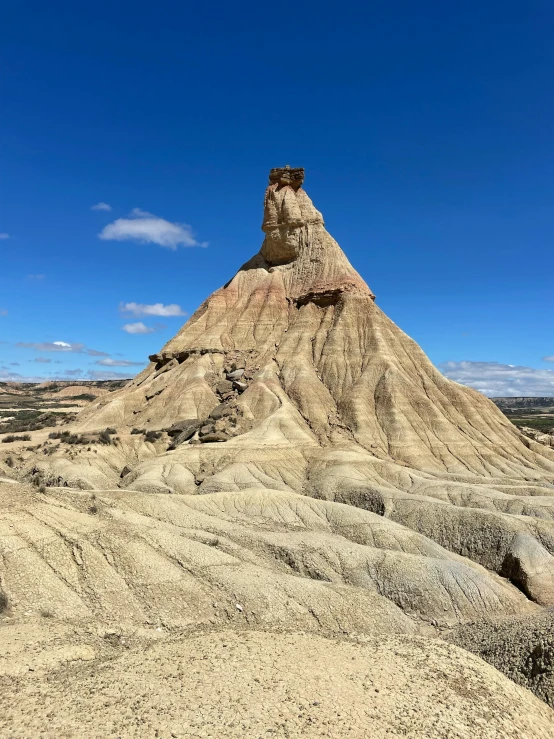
303, 457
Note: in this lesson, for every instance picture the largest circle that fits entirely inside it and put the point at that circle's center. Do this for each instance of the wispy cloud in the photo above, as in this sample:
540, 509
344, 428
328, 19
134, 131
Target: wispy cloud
7, 375
36, 278
4, 236
41, 360
3, 312
544, 359
501, 380
101, 206
119, 363
61, 346
147, 228
72, 373
137, 328
157, 309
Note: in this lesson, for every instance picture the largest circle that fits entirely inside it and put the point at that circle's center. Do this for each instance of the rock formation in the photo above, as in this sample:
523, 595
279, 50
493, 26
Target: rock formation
541, 436
324, 474
290, 378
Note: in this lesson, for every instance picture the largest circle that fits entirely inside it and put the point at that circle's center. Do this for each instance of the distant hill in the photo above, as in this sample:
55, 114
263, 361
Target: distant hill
503, 403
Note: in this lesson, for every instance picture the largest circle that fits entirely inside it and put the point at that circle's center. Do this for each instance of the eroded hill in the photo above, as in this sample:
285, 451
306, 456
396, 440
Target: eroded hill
290, 459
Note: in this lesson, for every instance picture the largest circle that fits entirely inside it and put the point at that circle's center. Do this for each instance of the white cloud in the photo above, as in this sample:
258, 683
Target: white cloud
61, 346
4, 236
149, 229
501, 380
157, 309
101, 206
42, 360
119, 363
137, 328
7, 375
544, 359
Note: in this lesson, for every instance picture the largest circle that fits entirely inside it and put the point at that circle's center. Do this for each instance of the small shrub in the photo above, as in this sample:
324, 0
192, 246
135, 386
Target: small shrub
11, 437
152, 435
42, 489
137, 431
10, 462
93, 509
45, 613
110, 431
104, 438
3, 602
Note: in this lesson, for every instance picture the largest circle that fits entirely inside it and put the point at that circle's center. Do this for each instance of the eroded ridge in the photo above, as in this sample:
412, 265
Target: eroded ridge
293, 451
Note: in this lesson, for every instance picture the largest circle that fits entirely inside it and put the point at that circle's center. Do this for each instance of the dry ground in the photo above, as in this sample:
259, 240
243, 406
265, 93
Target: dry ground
256, 684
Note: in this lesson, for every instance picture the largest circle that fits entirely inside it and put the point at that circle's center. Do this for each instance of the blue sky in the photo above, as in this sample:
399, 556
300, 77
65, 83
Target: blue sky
425, 130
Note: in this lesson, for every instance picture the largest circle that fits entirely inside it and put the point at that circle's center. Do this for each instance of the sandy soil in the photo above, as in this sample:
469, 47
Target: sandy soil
255, 684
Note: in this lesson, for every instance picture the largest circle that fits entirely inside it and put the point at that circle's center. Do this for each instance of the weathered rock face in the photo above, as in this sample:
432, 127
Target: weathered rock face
291, 379
540, 436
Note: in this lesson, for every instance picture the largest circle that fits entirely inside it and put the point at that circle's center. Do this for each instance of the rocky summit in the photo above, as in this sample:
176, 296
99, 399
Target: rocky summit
289, 461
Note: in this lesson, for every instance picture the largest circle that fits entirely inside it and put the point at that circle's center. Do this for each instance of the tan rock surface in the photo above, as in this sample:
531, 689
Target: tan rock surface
312, 470
248, 684
334, 401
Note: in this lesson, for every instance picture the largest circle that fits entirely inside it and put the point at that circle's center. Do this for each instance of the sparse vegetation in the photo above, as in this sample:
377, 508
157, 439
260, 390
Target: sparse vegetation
66, 437
152, 435
536, 413
11, 437
59, 434
31, 421
104, 438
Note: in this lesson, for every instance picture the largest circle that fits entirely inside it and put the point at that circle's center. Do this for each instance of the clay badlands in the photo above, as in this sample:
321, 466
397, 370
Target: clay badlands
319, 524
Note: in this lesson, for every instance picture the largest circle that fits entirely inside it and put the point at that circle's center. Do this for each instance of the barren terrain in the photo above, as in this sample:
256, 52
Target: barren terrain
291, 477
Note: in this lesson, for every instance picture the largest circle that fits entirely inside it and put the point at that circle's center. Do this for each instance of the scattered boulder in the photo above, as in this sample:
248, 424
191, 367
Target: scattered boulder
206, 429
184, 426
213, 436
236, 375
221, 411
224, 387
183, 431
